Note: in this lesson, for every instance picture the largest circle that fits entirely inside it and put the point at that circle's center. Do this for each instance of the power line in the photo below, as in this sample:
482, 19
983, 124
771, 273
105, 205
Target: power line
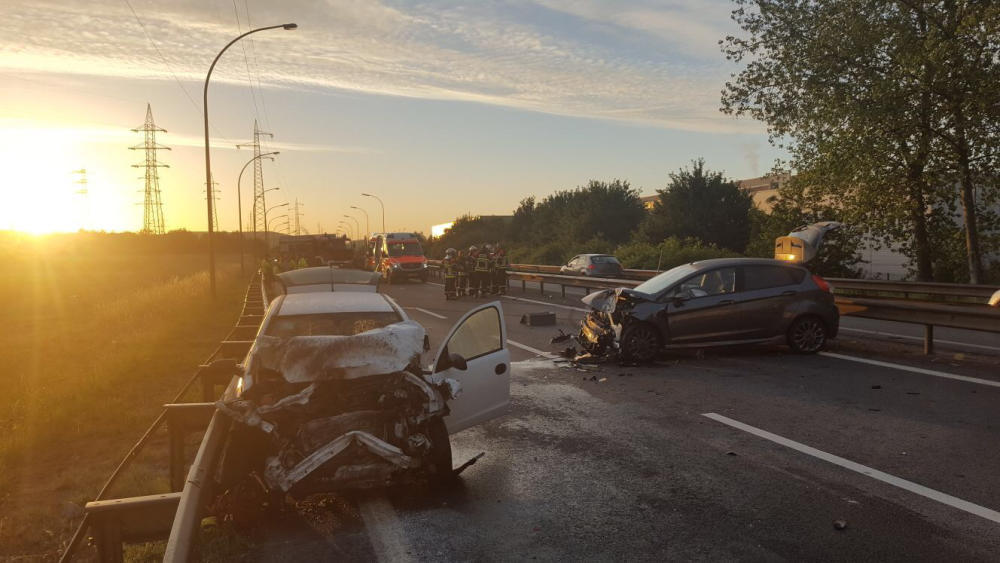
163, 59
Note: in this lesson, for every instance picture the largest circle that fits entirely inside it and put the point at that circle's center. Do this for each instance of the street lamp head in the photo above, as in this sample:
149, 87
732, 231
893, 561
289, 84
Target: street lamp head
290, 26
368, 195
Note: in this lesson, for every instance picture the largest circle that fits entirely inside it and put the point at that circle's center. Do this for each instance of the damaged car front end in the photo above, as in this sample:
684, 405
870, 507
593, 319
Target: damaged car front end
609, 328
329, 413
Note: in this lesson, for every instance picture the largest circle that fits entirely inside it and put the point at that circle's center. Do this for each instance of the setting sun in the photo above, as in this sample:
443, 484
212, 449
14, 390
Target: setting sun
44, 190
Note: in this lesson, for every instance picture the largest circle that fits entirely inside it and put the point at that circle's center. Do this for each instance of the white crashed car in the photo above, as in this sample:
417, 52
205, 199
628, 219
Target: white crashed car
332, 395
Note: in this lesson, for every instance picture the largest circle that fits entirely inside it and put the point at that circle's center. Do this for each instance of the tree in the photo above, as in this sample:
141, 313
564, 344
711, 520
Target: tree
703, 205
873, 98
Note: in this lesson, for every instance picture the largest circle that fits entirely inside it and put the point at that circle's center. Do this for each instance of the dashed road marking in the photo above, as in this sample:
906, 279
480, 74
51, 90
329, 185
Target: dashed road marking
910, 486
908, 337
431, 313
384, 530
535, 351
912, 369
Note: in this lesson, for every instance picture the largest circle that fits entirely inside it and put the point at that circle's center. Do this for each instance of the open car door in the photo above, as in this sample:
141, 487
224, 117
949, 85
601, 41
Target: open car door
480, 338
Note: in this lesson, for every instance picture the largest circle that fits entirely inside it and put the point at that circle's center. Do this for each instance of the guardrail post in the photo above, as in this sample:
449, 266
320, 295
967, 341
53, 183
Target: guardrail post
563, 288
928, 339
109, 541
176, 438
541, 286
524, 286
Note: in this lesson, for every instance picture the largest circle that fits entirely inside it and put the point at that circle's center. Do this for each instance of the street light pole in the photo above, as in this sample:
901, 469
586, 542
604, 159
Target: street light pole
356, 224
208, 156
239, 198
266, 209
382, 205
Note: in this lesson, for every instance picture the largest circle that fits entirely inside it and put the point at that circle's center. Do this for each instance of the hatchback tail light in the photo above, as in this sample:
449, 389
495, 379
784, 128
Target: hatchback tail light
821, 283
590, 267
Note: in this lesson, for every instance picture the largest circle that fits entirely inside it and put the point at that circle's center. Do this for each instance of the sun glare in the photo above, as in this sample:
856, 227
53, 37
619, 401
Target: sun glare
43, 187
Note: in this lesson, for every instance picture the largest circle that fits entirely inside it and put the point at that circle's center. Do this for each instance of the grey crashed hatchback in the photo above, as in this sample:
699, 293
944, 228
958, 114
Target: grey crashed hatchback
713, 303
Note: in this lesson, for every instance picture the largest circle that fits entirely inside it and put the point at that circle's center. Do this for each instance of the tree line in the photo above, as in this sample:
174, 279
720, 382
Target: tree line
889, 111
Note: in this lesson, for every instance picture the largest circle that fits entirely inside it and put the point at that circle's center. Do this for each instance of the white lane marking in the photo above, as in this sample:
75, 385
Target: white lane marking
913, 369
384, 530
908, 337
535, 351
547, 304
431, 313
437, 284
921, 490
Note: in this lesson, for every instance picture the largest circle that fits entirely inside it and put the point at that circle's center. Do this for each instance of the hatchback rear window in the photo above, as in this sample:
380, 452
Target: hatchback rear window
604, 260
329, 324
765, 277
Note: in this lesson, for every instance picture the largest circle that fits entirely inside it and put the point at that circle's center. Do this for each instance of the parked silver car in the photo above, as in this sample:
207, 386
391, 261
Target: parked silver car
712, 303
596, 265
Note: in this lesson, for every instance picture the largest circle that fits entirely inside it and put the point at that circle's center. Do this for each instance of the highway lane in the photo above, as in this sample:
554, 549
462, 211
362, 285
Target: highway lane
630, 467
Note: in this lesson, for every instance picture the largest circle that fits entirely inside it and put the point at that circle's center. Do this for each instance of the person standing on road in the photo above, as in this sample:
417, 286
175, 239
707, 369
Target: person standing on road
482, 273
500, 270
450, 268
462, 271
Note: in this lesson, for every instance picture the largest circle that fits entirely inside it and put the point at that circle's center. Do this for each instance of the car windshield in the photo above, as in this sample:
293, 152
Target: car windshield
330, 324
604, 260
658, 283
405, 249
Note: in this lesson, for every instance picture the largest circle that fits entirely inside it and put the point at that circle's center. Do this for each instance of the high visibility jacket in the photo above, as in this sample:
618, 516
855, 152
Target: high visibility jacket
500, 261
450, 268
482, 263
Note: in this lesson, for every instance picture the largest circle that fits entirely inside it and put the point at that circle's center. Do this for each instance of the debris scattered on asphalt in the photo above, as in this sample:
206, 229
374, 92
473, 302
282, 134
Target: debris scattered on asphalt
731, 453
602, 380
876, 386
875, 410
913, 392
562, 337
465, 465
699, 354
840, 524
546, 318
569, 352
586, 358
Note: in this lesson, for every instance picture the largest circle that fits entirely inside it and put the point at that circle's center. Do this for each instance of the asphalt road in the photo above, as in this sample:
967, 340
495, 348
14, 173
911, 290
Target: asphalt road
751, 453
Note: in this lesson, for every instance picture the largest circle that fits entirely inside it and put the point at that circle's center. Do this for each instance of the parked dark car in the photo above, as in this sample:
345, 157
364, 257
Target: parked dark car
596, 265
712, 303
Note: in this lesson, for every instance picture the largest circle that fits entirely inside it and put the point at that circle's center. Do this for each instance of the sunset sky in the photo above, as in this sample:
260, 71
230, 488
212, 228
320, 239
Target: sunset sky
441, 108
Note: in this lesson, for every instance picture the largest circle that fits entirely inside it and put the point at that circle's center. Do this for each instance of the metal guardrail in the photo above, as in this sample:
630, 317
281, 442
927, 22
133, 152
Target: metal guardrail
114, 522
198, 487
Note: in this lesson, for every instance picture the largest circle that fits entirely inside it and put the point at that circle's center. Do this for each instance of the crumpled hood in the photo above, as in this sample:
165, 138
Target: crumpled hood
302, 359
606, 300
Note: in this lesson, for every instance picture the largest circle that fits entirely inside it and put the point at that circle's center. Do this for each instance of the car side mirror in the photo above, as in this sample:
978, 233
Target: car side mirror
458, 362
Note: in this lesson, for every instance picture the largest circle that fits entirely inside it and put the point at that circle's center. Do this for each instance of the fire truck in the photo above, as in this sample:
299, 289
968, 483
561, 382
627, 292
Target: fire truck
397, 256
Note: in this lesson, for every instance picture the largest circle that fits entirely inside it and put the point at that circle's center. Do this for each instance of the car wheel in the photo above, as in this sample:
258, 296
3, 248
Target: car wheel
440, 455
640, 343
807, 335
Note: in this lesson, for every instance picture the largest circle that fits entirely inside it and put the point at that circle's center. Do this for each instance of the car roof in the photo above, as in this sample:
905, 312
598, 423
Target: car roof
722, 262
334, 302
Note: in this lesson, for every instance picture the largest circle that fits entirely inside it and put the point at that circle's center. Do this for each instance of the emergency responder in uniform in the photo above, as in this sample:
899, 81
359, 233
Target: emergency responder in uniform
500, 270
470, 269
488, 288
462, 272
450, 268
481, 282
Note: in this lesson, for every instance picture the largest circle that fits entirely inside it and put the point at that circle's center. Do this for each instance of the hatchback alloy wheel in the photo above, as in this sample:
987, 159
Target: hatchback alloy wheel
807, 335
640, 343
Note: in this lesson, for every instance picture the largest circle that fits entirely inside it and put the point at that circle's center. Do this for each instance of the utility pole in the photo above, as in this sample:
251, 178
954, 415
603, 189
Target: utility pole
259, 205
152, 206
84, 194
295, 210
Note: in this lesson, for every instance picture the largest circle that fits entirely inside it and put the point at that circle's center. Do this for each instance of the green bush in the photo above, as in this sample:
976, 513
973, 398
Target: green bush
668, 254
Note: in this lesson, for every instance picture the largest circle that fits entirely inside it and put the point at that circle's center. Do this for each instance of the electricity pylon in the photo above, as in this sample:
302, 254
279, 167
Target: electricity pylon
259, 205
84, 194
152, 206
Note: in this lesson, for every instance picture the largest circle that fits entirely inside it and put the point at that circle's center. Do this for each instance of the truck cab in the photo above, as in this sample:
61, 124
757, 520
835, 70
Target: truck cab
398, 256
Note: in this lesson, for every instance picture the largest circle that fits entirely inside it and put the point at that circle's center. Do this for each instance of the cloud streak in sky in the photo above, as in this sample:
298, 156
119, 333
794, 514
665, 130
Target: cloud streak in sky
654, 63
